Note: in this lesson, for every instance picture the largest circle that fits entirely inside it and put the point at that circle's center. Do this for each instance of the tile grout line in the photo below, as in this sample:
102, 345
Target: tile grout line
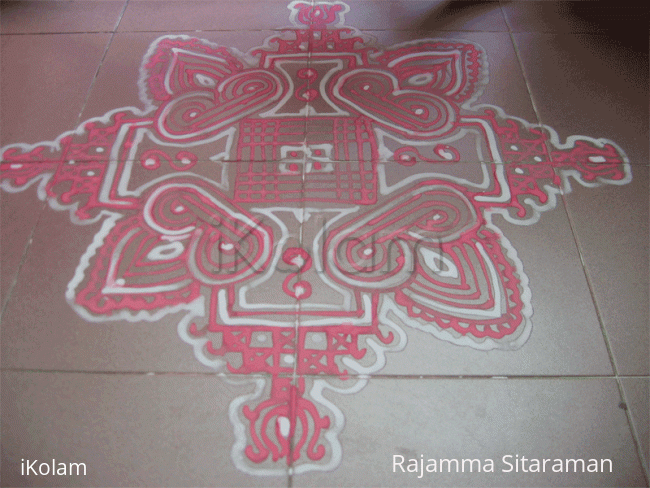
101, 62
603, 329
373, 376
505, 17
275, 30
616, 376
44, 205
295, 377
279, 30
268, 29
296, 355
523, 74
53, 33
590, 286
23, 258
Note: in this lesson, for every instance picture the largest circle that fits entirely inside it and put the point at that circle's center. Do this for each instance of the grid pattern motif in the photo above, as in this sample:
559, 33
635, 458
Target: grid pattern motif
347, 182
345, 176
260, 139
352, 138
268, 182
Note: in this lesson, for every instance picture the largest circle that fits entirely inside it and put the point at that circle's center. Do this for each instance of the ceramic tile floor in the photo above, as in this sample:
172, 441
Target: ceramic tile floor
372, 243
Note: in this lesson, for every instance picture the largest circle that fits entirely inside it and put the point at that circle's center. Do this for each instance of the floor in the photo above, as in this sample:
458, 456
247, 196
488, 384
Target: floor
316, 243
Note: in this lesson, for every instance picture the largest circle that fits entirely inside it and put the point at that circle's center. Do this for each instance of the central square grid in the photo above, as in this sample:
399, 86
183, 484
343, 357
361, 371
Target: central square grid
332, 166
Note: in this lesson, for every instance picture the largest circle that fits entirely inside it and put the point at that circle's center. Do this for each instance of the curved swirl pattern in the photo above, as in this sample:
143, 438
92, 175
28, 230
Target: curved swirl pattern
376, 250
225, 247
376, 94
199, 114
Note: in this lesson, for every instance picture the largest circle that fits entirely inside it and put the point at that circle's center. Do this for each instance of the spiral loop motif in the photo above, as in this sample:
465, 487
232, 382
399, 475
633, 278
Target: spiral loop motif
376, 94
377, 249
205, 112
225, 246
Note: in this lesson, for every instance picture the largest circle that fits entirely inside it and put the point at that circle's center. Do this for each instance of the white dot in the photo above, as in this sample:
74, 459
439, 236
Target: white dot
597, 159
288, 359
285, 426
193, 114
91, 173
519, 170
421, 79
226, 246
514, 148
15, 166
419, 111
99, 149
537, 158
120, 281
150, 162
71, 161
367, 252
404, 157
204, 80
186, 161
366, 87
437, 217
179, 208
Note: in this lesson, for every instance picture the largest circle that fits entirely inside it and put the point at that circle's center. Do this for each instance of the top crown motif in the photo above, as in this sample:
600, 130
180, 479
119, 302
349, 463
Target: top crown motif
318, 16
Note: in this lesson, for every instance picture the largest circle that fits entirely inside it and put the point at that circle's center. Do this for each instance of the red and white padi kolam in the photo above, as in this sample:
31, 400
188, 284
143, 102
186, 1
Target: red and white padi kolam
204, 195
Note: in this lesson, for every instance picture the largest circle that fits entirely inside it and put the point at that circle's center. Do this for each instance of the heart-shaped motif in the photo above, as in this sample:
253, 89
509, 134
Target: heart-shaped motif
377, 95
199, 114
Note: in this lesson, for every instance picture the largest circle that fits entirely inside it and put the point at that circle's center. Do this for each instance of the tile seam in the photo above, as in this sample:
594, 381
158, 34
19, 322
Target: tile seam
610, 352
23, 258
101, 62
515, 46
374, 376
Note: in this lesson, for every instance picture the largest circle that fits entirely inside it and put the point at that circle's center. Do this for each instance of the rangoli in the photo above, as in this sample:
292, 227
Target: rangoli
205, 194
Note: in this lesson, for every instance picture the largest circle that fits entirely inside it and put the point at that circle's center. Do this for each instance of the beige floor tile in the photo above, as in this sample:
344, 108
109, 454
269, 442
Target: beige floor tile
52, 16
611, 227
572, 16
171, 16
129, 430
581, 84
16, 232
422, 15
484, 420
42, 331
637, 392
45, 82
